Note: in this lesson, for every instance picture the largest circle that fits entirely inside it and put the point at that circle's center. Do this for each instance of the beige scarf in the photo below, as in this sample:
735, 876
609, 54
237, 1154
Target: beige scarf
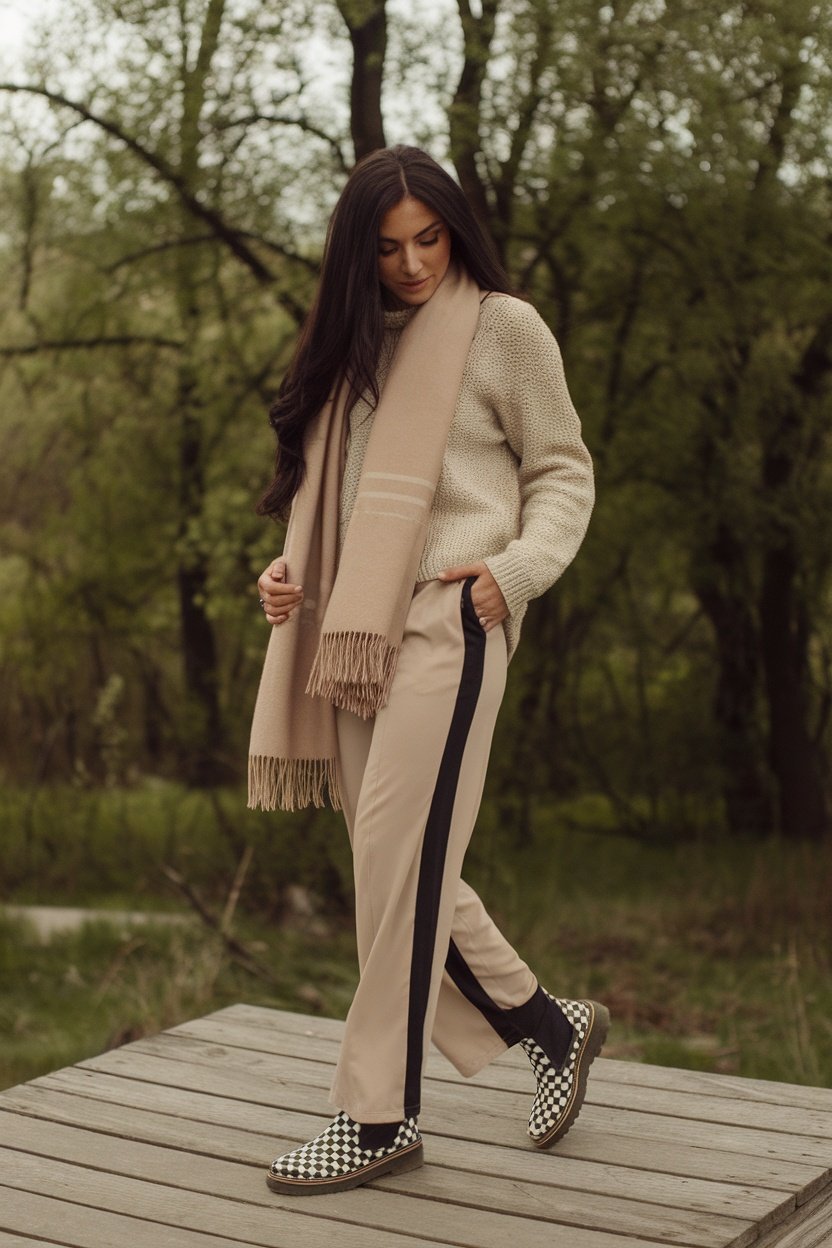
339, 648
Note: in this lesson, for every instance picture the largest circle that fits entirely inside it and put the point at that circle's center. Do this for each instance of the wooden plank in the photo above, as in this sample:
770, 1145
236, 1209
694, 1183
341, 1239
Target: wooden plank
81, 1226
151, 1126
298, 1085
7, 1240
808, 1227
319, 1039
191, 1107
458, 1117
761, 1115
250, 1216
171, 1135
607, 1149
516, 1076
316, 1025
249, 1219
19, 1241
696, 1082
618, 1174
180, 1168
576, 1208
710, 1109
285, 1023
761, 1205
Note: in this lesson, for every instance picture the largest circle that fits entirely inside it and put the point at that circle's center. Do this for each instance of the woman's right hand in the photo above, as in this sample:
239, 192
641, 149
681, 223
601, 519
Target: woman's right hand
278, 599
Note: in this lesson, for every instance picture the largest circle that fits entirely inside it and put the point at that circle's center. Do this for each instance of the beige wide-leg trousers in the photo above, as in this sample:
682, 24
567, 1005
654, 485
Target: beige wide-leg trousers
433, 964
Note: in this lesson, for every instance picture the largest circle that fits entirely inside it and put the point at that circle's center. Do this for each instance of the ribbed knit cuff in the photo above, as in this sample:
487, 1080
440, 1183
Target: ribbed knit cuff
511, 576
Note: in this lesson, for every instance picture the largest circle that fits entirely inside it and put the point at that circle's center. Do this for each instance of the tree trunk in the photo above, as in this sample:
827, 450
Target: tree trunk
723, 581
530, 745
792, 452
718, 580
464, 112
366, 21
202, 738
795, 757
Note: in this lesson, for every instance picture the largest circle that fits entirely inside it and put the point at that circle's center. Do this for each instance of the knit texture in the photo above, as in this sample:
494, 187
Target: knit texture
516, 487
340, 648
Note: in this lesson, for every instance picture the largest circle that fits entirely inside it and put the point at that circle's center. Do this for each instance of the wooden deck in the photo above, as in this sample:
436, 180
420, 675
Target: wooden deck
163, 1144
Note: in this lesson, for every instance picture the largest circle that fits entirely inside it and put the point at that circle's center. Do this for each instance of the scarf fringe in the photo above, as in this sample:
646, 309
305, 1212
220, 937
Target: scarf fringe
354, 671
284, 783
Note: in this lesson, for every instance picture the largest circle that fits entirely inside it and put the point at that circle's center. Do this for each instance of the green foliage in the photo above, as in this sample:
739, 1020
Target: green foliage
88, 844
105, 984
711, 954
657, 178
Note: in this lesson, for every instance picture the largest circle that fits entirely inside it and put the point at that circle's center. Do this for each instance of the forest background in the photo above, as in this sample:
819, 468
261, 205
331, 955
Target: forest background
656, 176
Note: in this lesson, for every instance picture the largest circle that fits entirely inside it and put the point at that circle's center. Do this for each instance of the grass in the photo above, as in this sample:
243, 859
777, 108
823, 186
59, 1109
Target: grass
711, 958
711, 955
103, 986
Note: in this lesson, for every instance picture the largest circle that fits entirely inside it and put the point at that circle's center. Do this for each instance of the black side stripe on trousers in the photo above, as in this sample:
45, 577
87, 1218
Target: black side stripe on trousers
470, 987
435, 843
538, 1018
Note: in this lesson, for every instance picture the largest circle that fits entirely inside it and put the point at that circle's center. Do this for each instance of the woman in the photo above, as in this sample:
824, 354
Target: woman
433, 462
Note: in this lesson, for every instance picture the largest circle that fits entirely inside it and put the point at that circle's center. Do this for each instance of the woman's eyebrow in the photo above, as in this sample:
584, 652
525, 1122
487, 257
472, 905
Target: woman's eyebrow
432, 226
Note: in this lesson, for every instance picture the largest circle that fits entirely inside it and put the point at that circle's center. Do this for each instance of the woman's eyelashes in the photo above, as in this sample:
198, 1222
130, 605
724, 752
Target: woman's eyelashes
423, 242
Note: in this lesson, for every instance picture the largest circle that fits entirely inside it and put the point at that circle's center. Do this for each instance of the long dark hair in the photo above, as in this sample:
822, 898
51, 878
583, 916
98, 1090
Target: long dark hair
342, 335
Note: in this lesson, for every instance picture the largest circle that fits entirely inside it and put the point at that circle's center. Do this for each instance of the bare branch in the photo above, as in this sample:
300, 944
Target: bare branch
464, 112
772, 154
302, 123
235, 947
220, 227
199, 239
235, 890
81, 344
527, 109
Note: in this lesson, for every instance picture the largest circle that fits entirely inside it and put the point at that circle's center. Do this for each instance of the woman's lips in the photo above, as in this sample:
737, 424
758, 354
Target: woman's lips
414, 285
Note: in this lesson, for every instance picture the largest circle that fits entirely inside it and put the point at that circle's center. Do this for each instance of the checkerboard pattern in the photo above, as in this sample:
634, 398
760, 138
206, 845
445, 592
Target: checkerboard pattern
560, 1092
337, 1152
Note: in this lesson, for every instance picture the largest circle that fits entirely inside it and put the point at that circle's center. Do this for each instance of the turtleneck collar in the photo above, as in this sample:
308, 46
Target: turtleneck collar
397, 318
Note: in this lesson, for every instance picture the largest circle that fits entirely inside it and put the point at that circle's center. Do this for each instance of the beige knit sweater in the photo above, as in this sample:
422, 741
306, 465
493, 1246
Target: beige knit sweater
516, 488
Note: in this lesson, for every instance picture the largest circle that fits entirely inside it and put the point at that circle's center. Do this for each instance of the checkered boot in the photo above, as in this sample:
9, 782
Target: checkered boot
335, 1161
561, 1090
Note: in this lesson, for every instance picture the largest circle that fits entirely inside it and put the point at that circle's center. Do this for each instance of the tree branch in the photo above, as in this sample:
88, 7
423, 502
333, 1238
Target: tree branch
236, 948
81, 344
223, 231
198, 239
772, 154
302, 123
464, 112
526, 110
366, 21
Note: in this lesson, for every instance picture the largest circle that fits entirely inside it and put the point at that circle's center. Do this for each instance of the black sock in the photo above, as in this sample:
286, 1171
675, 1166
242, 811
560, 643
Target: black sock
377, 1134
544, 1022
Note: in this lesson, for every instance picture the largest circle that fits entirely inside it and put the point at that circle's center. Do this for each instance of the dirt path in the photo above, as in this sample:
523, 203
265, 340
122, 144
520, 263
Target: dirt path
50, 920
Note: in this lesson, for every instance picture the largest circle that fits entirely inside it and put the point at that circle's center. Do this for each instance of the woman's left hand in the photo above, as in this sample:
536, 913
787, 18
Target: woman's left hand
486, 595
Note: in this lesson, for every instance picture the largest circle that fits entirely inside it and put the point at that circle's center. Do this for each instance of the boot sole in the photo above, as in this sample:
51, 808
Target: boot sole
593, 1043
409, 1158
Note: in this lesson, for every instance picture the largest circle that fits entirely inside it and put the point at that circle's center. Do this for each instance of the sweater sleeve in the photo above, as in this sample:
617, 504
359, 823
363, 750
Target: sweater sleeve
555, 474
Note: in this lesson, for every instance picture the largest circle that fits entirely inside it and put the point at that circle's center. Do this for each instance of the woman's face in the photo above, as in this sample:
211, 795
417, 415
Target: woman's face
414, 250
